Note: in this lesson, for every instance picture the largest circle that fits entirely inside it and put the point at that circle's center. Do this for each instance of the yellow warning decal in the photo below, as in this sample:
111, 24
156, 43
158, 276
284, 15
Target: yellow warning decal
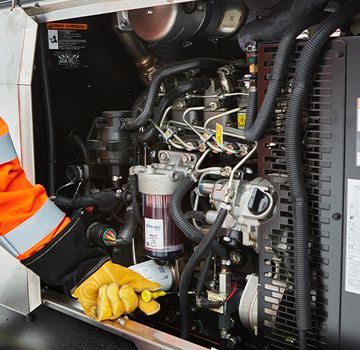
241, 120
67, 26
219, 134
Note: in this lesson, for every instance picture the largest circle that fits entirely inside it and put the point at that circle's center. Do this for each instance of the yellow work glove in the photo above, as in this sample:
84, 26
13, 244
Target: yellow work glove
111, 291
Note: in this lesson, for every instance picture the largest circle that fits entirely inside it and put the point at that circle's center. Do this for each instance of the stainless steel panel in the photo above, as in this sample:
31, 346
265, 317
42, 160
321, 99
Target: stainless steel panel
145, 338
19, 287
50, 10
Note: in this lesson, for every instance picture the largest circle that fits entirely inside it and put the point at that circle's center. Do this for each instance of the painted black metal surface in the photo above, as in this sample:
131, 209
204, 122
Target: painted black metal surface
323, 164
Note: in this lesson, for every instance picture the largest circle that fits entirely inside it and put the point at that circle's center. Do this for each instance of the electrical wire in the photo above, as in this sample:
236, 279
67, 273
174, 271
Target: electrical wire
232, 292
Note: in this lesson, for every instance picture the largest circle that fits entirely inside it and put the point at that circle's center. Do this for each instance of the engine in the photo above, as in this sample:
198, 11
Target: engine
169, 173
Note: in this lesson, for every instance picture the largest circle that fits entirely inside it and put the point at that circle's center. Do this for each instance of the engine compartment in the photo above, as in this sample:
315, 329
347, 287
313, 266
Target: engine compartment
156, 130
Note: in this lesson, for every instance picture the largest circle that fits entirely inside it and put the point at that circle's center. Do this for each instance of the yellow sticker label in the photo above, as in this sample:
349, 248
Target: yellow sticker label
241, 120
219, 134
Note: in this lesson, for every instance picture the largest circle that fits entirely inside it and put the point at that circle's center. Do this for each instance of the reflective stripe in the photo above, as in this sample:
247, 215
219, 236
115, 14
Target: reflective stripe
33, 230
7, 149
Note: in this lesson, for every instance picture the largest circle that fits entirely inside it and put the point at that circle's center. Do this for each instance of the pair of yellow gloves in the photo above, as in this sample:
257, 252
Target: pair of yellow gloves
112, 291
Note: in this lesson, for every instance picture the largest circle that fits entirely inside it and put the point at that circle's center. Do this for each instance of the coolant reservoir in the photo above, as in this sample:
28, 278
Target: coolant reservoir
162, 239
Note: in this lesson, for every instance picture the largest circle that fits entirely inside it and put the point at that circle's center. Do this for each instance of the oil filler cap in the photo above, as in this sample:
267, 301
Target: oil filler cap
259, 202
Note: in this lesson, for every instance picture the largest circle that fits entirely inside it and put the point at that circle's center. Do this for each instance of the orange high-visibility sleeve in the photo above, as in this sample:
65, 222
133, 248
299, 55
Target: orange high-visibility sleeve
28, 219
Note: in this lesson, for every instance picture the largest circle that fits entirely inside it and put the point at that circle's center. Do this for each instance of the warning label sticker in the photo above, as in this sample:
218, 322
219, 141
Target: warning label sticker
352, 266
154, 233
241, 120
219, 134
67, 43
53, 39
68, 26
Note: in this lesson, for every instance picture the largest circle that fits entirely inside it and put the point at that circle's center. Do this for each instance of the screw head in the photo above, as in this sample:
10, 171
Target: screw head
186, 158
164, 156
336, 216
121, 321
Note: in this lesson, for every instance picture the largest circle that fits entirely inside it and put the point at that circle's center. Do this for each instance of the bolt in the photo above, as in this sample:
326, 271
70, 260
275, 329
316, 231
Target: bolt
235, 258
227, 171
164, 156
213, 106
202, 147
124, 24
186, 158
179, 105
231, 342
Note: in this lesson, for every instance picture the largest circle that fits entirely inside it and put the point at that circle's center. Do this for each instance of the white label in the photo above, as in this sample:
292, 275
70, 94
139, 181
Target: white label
352, 266
53, 36
154, 233
358, 134
155, 273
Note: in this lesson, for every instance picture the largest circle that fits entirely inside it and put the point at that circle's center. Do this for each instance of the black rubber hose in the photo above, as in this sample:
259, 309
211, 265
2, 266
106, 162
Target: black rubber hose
204, 273
256, 126
190, 232
173, 69
139, 104
78, 141
273, 27
179, 91
251, 111
302, 85
49, 115
128, 230
88, 200
133, 188
186, 276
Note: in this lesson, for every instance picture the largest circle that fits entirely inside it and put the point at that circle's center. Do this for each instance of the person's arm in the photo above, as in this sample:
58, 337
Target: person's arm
29, 219
37, 233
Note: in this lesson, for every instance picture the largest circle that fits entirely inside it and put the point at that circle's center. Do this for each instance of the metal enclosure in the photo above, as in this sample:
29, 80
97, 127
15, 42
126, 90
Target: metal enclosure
350, 300
19, 287
331, 157
54, 10
331, 147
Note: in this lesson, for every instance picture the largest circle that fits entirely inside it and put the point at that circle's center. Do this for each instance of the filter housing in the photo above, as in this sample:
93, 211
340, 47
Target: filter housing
162, 239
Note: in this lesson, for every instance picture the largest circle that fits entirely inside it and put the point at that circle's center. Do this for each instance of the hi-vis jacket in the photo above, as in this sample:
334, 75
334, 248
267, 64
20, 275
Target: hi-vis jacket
28, 218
